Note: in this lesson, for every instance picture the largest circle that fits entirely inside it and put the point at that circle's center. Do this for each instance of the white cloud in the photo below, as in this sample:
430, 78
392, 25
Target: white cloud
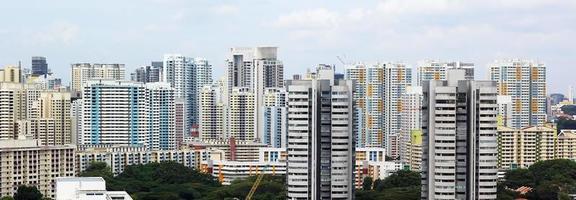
226, 9
309, 19
59, 32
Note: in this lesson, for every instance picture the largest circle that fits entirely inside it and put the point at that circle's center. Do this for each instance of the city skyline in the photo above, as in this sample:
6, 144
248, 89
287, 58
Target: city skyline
406, 31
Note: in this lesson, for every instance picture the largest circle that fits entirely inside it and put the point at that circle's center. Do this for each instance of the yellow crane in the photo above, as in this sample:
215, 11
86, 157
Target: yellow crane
254, 186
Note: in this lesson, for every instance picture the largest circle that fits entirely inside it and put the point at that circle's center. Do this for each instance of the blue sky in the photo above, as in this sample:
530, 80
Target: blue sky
308, 32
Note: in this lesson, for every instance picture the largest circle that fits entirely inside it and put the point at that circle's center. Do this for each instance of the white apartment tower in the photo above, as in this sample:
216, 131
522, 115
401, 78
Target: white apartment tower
525, 82
377, 94
212, 113
274, 117
459, 138
128, 113
320, 139
187, 76
255, 68
436, 70
411, 118
241, 115
82, 72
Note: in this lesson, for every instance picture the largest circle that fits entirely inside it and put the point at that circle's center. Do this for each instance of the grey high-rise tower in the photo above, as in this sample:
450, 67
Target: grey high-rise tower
39, 66
459, 159
320, 139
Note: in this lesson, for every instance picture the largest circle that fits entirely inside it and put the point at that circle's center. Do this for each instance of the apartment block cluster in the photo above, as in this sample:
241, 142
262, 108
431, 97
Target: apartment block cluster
325, 130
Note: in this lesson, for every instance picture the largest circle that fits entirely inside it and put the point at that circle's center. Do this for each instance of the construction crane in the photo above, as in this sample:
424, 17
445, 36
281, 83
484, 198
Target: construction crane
254, 186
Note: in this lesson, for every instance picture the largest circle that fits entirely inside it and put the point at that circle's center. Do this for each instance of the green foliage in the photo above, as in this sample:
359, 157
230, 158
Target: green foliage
552, 179
569, 109
367, 183
165, 181
271, 187
98, 169
27, 193
564, 123
7, 198
402, 184
402, 178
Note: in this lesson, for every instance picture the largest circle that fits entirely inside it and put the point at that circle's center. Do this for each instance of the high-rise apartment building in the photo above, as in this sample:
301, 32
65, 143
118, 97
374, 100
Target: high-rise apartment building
411, 129
27, 162
82, 72
212, 113
128, 113
377, 97
53, 124
241, 115
10, 74
436, 70
255, 68
504, 110
398, 78
187, 76
520, 148
39, 66
369, 104
525, 82
274, 117
320, 139
147, 74
566, 145
459, 138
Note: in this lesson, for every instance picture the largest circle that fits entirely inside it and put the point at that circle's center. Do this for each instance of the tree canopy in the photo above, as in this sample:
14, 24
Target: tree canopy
403, 184
27, 193
552, 179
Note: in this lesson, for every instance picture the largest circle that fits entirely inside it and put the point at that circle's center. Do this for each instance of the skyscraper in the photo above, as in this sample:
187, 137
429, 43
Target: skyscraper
82, 72
10, 74
411, 129
320, 141
241, 113
369, 104
275, 117
525, 82
436, 70
255, 68
459, 138
52, 125
212, 113
147, 74
187, 76
128, 113
377, 97
398, 78
39, 66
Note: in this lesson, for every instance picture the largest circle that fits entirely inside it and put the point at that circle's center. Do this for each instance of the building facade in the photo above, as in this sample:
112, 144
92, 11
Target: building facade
39, 66
128, 113
320, 139
436, 70
525, 82
27, 162
82, 72
459, 138
520, 148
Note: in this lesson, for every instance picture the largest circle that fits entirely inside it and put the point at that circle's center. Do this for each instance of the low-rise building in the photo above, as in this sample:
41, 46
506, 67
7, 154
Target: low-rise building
370, 162
26, 162
118, 157
86, 188
235, 150
566, 145
270, 161
520, 148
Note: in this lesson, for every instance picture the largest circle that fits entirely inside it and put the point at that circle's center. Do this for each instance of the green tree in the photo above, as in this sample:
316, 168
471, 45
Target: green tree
367, 183
402, 178
27, 193
7, 198
378, 185
97, 169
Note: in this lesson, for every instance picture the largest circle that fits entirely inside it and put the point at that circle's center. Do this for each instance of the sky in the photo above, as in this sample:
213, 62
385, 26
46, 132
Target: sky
307, 32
